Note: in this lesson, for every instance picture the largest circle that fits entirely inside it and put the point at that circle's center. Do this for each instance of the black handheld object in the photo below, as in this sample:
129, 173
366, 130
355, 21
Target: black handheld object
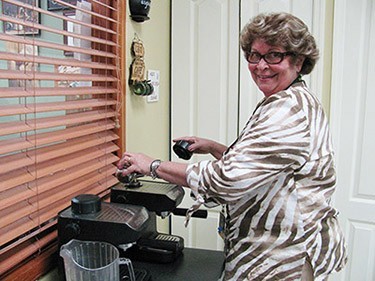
129, 180
181, 148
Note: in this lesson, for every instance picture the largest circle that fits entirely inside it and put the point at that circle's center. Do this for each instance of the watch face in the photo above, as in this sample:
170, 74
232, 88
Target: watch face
154, 165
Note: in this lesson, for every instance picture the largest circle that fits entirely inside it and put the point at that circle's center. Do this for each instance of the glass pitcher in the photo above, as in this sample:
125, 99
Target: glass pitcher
93, 261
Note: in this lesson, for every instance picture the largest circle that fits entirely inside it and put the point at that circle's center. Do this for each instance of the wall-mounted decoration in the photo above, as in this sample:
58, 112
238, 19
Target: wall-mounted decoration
137, 82
139, 10
55, 6
137, 71
22, 14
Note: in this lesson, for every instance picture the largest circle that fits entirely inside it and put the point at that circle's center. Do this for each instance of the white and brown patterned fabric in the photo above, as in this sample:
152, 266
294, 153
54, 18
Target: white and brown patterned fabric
276, 181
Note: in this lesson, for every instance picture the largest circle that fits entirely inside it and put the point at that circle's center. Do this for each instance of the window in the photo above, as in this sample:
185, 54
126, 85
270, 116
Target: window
60, 114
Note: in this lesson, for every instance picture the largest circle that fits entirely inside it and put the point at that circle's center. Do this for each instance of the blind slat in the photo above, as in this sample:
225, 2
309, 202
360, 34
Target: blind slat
41, 200
54, 61
23, 175
50, 122
25, 250
30, 75
36, 156
56, 15
22, 192
55, 91
99, 6
14, 212
26, 224
56, 46
57, 31
17, 194
54, 106
30, 141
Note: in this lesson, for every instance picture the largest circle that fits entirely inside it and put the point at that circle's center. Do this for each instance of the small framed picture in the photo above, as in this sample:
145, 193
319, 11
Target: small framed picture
20, 14
55, 6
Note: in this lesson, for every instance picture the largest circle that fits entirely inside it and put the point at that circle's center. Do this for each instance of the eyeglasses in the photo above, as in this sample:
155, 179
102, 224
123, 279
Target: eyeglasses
270, 58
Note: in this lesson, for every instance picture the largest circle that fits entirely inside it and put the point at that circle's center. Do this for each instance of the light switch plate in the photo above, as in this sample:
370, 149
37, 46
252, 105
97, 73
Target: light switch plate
154, 77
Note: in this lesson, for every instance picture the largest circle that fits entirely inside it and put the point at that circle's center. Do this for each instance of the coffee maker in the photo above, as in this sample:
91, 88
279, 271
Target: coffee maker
128, 221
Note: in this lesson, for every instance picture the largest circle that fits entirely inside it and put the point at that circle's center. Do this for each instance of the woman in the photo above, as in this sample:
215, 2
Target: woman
276, 180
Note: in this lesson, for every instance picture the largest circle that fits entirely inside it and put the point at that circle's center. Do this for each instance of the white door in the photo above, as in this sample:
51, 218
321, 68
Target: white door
212, 92
352, 121
199, 104
204, 90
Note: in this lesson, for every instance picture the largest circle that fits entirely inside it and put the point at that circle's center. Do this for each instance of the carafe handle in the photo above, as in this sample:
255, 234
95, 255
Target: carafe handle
129, 265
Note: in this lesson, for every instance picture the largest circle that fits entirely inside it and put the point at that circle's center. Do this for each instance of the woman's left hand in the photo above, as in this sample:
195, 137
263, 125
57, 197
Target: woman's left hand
135, 163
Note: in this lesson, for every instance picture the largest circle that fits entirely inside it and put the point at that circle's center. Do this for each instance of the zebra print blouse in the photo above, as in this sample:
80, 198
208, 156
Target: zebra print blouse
276, 181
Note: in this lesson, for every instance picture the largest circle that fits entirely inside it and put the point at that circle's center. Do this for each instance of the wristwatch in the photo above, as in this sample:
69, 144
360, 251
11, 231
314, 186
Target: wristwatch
153, 167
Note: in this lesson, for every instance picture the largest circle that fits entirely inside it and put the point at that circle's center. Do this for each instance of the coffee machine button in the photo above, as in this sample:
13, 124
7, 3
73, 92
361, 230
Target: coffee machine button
72, 230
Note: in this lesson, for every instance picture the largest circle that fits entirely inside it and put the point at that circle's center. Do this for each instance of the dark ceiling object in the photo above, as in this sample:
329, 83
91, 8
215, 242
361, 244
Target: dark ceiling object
139, 10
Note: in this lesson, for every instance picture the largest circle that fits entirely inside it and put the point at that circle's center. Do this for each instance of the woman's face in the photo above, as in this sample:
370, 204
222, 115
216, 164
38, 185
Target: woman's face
272, 78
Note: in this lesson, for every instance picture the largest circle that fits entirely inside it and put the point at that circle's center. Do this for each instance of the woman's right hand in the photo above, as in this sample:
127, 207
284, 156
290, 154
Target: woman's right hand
204, 146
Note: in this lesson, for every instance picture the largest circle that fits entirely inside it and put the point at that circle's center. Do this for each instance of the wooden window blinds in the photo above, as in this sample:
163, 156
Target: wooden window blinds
60, 108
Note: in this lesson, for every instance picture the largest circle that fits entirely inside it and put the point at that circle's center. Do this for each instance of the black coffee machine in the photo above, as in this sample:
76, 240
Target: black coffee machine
160, 199
128, 221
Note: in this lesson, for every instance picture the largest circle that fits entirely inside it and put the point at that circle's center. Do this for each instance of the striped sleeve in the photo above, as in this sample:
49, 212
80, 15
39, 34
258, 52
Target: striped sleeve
274, 140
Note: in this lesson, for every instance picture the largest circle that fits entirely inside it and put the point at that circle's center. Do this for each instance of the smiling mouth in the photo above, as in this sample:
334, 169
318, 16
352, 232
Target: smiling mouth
264, 77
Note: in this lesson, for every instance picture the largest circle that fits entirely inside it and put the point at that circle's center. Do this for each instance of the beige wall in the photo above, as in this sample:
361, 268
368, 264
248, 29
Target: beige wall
147, 124
326, 95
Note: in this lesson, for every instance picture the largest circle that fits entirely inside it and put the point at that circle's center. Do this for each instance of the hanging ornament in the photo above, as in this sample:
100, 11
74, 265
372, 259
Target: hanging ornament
137, 82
